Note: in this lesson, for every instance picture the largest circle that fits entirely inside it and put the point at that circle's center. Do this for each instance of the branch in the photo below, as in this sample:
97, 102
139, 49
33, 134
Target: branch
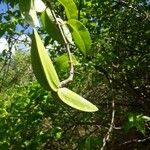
108, 134
135, 141
71, 72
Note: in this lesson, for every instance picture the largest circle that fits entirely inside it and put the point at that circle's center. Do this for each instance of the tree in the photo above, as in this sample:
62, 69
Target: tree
113, 75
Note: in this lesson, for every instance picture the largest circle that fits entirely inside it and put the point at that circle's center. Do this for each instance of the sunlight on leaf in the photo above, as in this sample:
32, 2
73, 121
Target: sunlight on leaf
76, 101
70, 8
80, 35
39, 5
42, 65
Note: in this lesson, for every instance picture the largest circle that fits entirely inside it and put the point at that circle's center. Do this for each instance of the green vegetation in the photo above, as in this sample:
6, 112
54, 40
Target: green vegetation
96, 48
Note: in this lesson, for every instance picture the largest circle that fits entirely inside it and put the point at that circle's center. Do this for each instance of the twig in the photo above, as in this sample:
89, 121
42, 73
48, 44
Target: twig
70, 78
135, 141
108, 134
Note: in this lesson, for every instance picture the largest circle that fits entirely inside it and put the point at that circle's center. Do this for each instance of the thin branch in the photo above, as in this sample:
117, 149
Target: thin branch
67, 45
108, 134
135, 141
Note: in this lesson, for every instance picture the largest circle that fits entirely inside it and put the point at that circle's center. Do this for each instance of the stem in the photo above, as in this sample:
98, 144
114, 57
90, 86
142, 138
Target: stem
135, 141
71, 72
79, 9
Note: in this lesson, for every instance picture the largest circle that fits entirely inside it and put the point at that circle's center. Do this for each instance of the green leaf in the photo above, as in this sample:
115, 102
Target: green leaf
137, 121
32, 19
70, 8
1, 33
88, 143
146, 118
76, 101
50, 26
140, 126
28, 12
80, 35
42, 65
66, 31
62, 62
25, 6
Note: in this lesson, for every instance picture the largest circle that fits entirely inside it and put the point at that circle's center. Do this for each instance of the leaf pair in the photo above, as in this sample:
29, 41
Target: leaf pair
79, 32
50, 26
48, 78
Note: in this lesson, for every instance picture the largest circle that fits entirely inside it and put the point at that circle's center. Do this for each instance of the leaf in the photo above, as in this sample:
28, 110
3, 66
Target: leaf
42, 65
76, 101
50, 26
28, 12
70, 8
67, 34
80, 35
140, 126
39, 5
25, 6
137, 121
146, 118
46, 40
88, 143
62, 62
66, 31
1, 33
32, 19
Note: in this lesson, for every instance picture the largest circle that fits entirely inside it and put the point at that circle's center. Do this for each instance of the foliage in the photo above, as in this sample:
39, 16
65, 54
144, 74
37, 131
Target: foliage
45, 71
115, 72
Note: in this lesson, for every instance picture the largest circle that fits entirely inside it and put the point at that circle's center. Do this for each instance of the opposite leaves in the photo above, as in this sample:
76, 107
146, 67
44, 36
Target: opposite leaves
50, 26
48, 78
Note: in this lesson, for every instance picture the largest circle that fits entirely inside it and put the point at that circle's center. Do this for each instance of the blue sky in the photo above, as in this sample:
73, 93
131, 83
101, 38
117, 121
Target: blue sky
3, 42
3, 8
